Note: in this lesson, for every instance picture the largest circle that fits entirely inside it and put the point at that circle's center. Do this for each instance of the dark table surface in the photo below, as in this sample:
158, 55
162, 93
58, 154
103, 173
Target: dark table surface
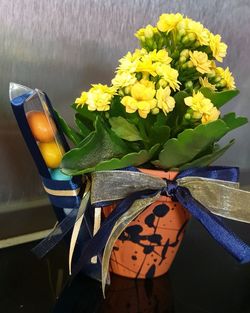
203, 278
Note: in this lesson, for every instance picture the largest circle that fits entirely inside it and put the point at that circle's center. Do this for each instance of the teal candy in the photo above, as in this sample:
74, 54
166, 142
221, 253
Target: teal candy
58, 175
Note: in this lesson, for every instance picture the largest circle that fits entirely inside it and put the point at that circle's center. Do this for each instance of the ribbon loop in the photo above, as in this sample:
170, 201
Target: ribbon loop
170, 188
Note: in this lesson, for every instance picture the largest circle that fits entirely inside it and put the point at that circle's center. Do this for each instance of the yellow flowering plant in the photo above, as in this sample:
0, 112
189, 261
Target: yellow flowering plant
163, 107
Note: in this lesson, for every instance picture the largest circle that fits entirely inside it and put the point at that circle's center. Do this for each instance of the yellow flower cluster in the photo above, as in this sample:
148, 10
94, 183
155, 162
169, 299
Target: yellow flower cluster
169, 22
141, 99
219, 49
226, 76
202, 108
145, 33
191, 31
135, 80
146, 79
98, 98
200, 61
177, 53
145, 98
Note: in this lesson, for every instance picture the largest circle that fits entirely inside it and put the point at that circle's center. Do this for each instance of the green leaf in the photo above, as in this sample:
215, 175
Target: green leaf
233, 122
86, 140
116, 108
83, 129
180, 96
100, 145
159, 134
190, 143
75, 137
175, 118
125, 130
207, 159
130, 159
219, 98
83, 110
161, 119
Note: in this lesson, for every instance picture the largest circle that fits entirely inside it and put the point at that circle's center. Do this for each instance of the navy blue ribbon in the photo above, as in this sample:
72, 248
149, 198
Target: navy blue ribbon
214, 225
60, 201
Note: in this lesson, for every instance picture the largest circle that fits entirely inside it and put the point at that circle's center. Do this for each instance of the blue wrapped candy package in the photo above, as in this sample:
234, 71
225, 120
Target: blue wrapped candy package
41, 131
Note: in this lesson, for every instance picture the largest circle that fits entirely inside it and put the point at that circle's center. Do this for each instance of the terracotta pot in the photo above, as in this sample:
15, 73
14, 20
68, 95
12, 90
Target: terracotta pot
147, 247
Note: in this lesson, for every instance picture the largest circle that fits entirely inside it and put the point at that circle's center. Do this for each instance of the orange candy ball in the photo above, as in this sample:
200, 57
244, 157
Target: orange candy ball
52, 153
42, 127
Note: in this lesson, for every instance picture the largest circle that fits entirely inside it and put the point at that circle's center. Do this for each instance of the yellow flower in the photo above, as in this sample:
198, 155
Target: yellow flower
196, 28
123, 79
104, 88
160, 56
202, 108
227, 76
143, 90
164, 100
128, 63
138, 53
147, 32
213, 115
168, 22
219, 49
130, 104
169, 75
205, 83
200, 61
141, 99
199, 103
230, 83
144, 107
99, 97
145, 65
82, 100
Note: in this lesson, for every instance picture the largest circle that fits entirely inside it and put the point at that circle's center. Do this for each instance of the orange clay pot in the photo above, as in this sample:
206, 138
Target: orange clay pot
147, 247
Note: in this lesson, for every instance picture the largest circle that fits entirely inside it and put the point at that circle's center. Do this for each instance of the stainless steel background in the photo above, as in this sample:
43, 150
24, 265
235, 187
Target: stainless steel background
61, 46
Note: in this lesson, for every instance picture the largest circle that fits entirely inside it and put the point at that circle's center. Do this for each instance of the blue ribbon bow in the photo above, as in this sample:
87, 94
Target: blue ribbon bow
214, 224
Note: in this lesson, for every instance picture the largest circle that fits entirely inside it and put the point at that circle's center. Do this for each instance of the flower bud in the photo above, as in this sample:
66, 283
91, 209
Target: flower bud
154, 45
217, 79
189, 84
182, 33
191, 37
210, 75
121, 92
149, 42
127, 90
223, 83
190, 64
178, 37
184, 66
148, 32
187, 116
185, 40
182, 59
155, 111
196, 44
185, 53
196, 115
